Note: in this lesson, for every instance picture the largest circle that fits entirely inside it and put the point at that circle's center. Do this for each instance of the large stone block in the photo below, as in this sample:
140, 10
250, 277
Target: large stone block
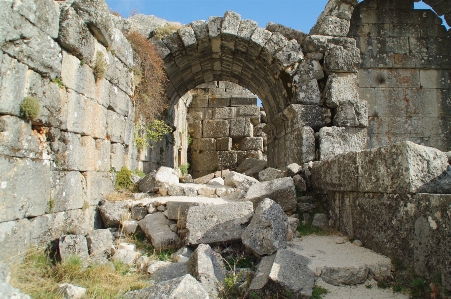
215, 128
113, 213
100, 242
156, 227
339, 140
308, 115
241, 127
282, 191
13, 85
282, 273
68, 191
238, 180
205, 161
224, 144
251, 144
224, 112
74, 35
227, 160
19, 197
44, 14
402, 167
76, 76
204, 144
183, 287
340, 59
217, 223
73, 245
208, 268
268, 229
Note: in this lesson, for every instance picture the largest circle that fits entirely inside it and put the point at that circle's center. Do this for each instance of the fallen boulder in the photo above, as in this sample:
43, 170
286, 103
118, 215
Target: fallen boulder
238, 180
217, 223
183, 287
251, 166
284, 273
267, 232
148, 183
270, 174
166, 175
280, 190
73, 245
100, 242
157, 230
113, 213
207, 267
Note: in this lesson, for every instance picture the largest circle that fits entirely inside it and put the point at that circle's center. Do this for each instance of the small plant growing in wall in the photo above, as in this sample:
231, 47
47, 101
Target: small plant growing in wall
100, 66
154, 131
30, 108
184, 168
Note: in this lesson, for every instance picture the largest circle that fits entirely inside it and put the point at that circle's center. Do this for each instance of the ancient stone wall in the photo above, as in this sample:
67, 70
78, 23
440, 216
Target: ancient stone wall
405, 71
225, 127
55, 169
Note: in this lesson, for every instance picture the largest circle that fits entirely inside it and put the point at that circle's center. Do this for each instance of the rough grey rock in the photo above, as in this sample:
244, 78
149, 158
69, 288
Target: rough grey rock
176, 190
70, 291
156, 227
125, 256
280, 190
113, 213
251, 166
74, 35
305, 207
299, 183
293, 169
424, 170
187, 178
174, 270
70, 245
270, 174
217, 223
96, 14
157, 265
268, 229
320, 220
166, 175
100, 242
44, 14
341, 59
335, 19
281, 273
182, 255
183, 287
293, 223
238, 180
7, 292
208, 268
138, 212
130, 226
339, 140
5, 273
148, 183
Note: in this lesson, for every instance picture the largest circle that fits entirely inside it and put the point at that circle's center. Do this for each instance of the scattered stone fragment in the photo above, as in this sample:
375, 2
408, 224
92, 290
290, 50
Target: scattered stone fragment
280, 190
156, 227
217, 223
206, 191
142, 263
125, 256
185, 287
282, 273
251, 166
293, 169
320, 220
130, 226
174, 270
70, 291
358, 243
299, 183
166, 175
268, 229
270, 174
176, 190
293, 223
157, 265
207, 267
148, 183
305, 207
216, 181
187, 178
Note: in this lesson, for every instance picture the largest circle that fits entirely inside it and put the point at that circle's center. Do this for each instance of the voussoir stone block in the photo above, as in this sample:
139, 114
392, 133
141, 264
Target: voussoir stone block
217, 223
280, 190
268, 229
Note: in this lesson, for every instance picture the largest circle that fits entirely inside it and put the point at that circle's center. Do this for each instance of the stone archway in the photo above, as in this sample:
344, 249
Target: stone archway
288, 74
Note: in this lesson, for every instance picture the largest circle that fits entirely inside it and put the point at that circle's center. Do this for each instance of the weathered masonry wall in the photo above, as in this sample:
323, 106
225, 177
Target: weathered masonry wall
225, 127
396, 200
54, 171
405, 73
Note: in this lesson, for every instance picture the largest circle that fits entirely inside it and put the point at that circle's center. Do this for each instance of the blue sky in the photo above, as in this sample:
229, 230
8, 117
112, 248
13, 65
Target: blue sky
297, 14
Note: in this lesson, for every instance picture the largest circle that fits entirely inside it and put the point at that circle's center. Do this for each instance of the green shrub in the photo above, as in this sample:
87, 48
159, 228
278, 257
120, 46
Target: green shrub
123, 180
184, 168
100, 66
30, 108
154, 131
318, 292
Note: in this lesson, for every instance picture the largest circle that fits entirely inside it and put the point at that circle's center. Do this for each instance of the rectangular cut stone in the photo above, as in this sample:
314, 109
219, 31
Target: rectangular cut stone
224, 144
238, 101
225, 112
12, 85
248, 111
205, 161
19, 197
251, 143
195, 129
200, 100
403, 167
68, 190
307, 115
215, 128
214, 101
117, 156
204, 144
218, 223
240, 127
280, 190
227, 159
177, 207
97, 185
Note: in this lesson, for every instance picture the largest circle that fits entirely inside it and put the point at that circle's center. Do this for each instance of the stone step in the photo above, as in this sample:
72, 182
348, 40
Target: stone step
338, 262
